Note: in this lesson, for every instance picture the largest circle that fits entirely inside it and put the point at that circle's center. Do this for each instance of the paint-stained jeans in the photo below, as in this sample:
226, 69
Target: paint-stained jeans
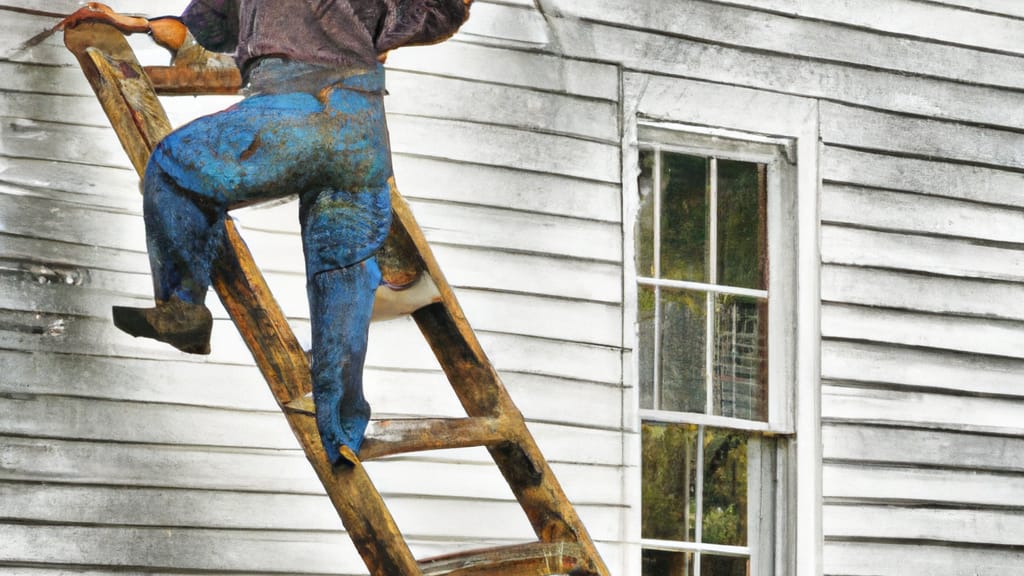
327, 144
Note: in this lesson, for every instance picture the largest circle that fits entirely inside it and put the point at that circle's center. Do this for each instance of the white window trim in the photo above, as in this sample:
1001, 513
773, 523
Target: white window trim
749, 115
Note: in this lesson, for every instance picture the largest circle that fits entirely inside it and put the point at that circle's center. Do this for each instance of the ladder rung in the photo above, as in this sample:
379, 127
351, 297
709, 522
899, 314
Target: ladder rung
524, 559
388, 437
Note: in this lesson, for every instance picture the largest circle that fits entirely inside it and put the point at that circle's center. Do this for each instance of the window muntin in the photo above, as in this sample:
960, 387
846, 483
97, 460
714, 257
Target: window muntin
703, 315
702, 274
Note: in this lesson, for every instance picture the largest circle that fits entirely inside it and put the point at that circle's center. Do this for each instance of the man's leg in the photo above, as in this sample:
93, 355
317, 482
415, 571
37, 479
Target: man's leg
340, 303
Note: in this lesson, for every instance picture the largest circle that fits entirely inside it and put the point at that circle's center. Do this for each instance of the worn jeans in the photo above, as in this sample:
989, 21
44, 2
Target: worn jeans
327, 144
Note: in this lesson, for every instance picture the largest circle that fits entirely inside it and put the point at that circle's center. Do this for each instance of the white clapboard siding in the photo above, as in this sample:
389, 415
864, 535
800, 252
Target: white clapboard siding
869, 558
153, 461
937, 178
929, 21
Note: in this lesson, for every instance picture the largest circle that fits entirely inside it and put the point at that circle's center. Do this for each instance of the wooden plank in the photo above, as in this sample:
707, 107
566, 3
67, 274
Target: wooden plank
924, 369
974, 335
532, 233
920, 214
898, 445
712, 104
922, 293
900, 559
762, 31
965, 182
470, 267
186, 550
934, 411
531, 69
501, 104
90, 145
987, 6
942, 256
454, 474
516, 25
126, 379
928, 21
426, 513
104, 420
425, 178
880, 131
845, 483
503, 146
681, 57
555, 318
984, 527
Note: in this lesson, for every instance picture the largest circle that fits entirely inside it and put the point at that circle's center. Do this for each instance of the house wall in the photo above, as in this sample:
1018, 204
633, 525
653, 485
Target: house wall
921, 246
122, 454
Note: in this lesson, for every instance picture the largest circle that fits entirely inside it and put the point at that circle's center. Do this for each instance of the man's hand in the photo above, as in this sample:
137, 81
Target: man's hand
96, 12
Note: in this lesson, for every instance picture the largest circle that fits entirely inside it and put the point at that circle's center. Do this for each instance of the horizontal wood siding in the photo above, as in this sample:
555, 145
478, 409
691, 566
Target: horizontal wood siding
921, 242
119, 454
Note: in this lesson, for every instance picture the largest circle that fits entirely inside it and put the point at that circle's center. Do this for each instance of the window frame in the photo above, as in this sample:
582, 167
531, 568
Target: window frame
681, 101
767, 441
779, 157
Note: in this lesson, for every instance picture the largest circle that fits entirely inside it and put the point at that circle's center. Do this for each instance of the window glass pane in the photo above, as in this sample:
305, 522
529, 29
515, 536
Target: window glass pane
725, 487
669, 476
684, 217
741, 363
742, 228
663, 563
724, 566
645, 217
683, 336
645, 351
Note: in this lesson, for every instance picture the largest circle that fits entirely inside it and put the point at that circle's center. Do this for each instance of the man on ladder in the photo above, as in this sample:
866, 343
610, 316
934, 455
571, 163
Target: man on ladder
312, 124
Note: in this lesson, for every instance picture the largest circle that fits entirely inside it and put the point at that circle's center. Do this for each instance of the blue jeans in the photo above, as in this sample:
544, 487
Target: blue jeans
330, 147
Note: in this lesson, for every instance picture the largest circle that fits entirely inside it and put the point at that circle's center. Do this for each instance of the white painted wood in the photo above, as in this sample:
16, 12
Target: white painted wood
506, 147
931, 21
719, 24
937, 178
903, 559
925, 369
990, 6
921, 214
908, 486
868, 129
923, 293
920, 450
521, 25
685, 58
521, 68
990, 337
946, 411
988, 527
425, 95
922, 254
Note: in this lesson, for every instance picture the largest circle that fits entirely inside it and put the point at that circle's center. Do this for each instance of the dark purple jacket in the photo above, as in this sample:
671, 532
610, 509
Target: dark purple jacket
334, 33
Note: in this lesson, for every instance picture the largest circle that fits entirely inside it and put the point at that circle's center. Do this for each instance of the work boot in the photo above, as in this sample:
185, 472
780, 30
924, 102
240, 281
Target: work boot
181, 324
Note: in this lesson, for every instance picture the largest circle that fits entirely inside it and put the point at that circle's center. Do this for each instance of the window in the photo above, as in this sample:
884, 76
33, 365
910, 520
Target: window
713, 353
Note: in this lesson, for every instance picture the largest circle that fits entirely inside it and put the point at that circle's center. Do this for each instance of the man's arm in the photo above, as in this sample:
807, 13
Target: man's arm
413, 22
166, 31
213, 23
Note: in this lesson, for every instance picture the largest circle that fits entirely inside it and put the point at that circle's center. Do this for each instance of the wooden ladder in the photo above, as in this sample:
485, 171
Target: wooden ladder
128, 95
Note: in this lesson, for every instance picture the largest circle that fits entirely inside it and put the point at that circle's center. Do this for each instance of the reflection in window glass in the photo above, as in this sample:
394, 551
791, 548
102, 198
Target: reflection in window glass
740, 367
741, 243
684, 217
724, 566
645, 353
669, 482
683, 377
725, 487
